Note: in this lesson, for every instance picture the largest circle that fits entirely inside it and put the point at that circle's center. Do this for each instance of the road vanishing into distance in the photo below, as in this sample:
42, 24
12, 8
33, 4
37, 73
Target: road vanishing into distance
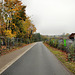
37, 61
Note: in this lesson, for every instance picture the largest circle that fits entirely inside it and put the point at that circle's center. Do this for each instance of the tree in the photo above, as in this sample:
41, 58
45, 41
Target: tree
16, 23
13, 10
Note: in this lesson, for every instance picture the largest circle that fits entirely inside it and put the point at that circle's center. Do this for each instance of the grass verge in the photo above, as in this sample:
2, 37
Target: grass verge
62, 56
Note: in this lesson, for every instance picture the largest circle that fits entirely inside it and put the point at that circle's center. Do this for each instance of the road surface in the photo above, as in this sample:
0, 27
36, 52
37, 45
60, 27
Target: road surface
37, 61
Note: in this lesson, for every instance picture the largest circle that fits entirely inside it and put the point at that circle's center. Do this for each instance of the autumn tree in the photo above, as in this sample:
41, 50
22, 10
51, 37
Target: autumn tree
16, 23
2, 24
12, 9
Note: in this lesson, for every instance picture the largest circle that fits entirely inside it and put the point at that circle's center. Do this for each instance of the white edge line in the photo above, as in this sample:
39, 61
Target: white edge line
14, 60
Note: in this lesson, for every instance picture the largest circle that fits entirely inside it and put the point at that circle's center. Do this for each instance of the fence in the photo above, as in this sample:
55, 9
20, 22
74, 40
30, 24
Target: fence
7, 43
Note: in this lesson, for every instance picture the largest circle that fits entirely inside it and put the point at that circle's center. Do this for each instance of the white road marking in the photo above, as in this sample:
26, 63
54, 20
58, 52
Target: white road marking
14, 60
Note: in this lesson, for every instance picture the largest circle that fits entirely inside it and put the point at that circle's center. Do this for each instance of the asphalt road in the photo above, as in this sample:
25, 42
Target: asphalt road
37, 61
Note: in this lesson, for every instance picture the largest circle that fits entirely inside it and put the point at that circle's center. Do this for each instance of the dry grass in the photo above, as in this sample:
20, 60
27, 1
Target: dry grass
5, 51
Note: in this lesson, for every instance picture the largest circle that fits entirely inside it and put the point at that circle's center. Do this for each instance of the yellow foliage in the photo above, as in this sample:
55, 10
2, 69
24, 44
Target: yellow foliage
9, 34
24, 28
28, 27
14, 26
9, 18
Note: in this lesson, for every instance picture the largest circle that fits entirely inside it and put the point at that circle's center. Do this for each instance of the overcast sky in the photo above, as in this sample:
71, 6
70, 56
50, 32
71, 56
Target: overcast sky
52, 17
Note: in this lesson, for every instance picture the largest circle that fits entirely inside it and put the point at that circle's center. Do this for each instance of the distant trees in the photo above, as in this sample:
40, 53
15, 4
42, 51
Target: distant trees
37, 37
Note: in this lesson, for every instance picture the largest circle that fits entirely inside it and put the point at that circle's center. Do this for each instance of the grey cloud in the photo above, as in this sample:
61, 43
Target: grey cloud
52, 16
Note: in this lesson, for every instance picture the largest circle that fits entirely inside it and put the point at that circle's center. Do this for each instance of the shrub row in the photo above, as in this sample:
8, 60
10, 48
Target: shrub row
60, 45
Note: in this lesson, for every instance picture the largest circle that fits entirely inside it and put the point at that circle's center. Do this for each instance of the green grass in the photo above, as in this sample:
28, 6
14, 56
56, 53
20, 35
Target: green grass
62, 56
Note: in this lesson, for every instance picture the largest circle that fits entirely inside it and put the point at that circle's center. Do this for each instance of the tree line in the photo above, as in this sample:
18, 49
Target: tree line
13, 20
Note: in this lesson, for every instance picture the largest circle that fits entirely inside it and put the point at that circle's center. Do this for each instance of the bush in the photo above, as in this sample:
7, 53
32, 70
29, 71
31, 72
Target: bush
51, 42
47, 42
27, 41
72, 53
55, 43
60, 45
